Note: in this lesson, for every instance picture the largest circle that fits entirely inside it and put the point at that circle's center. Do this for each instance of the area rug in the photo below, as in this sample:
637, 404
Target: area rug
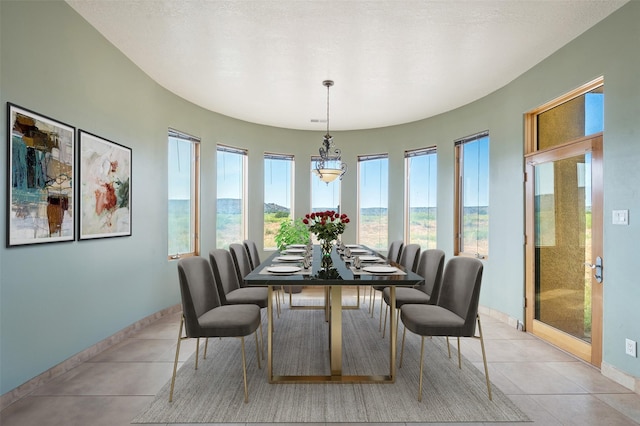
214, 393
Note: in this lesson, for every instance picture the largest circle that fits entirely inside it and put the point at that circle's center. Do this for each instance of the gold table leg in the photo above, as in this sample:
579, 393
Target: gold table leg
270, 334
335, 346
335, 327
393, 332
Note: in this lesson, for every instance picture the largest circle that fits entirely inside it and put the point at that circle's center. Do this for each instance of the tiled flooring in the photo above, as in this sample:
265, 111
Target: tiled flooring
553, 388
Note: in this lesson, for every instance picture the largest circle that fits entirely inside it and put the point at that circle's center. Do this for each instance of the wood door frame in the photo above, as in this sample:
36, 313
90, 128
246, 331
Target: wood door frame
591, 353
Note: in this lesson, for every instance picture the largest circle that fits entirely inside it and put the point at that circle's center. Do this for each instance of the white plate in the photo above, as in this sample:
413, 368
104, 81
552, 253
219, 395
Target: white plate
352, 245
294, 250
380, 269
296, 246
283, 269
359, 251
289, 258
370, 258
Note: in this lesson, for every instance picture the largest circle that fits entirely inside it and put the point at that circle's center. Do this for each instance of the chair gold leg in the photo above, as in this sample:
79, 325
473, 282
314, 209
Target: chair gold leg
459, 355
244, 371
384, 327
258, 349
372, 300
206, 345
448, 346
402, 347
197, 351
484, 358
381, 303
261, 341
421, 363
175, 362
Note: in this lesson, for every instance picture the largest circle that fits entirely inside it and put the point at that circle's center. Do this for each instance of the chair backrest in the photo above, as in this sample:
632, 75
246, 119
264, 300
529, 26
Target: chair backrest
198, 292
430, 268
224, 273
241, 261
410, 257
460, 290
254, 256
395, 248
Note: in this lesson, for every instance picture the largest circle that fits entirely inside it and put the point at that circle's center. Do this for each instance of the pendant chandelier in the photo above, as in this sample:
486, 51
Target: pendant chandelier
329, 166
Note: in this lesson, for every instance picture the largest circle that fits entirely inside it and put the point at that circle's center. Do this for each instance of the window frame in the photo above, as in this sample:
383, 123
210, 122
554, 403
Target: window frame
194, 193
408, 154
360, 160
244, 185
458, 244
282, 157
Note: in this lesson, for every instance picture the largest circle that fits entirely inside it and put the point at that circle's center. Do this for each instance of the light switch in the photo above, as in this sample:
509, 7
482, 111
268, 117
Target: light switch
620, 217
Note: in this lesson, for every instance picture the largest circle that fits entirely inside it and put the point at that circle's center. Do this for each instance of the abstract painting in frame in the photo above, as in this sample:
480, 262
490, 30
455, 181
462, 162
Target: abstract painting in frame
105, 188
40, 178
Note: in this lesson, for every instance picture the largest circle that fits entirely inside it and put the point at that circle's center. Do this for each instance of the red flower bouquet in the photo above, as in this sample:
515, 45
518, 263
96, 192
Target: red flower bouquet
327, 225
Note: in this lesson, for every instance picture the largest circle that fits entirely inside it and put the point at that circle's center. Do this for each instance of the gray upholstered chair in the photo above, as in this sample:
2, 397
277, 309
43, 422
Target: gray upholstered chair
204, 316
454, 314
395, 249
393, 255
409, 258
242, 263
229, 290
430, 268
254, 256
226, 279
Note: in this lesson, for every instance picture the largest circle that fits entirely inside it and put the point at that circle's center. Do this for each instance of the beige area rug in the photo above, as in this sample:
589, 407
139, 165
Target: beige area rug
214, 393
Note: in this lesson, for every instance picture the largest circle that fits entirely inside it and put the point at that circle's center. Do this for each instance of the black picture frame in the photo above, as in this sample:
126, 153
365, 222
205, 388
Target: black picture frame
104, 190
40, 181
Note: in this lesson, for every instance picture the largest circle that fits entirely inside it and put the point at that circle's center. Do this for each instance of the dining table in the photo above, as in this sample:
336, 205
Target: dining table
333, 274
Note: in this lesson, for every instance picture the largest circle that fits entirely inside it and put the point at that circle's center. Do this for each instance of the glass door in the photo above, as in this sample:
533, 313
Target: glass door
565, 209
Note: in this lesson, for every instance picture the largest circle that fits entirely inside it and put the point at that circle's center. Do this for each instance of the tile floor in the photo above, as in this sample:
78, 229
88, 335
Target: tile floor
552, 387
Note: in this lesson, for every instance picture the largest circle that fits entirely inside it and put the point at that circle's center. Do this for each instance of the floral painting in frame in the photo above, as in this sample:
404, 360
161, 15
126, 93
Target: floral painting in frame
40, 178
105, 188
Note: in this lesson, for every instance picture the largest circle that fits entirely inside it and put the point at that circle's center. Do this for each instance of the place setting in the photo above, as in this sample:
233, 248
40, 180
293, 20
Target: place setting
294, 250
372, 269
289, 265
289, 258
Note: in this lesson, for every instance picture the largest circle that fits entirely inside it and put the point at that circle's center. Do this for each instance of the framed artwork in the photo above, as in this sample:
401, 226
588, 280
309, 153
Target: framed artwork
105, 188
40, 205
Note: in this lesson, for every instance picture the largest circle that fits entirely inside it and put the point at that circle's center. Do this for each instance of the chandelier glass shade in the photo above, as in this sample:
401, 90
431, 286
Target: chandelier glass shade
329, 166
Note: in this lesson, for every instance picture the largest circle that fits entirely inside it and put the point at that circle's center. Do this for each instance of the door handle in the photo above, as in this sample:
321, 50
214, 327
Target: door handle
597, 268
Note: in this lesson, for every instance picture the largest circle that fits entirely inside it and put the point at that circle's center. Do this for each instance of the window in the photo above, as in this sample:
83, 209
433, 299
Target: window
373, 200
231, 199
278, 194
472, 195
421, 167
571, 119
183, 194
324, 196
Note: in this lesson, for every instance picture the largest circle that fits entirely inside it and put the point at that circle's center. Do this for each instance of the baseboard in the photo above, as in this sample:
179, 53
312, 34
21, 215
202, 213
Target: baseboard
501, 316
77, 359
624, 379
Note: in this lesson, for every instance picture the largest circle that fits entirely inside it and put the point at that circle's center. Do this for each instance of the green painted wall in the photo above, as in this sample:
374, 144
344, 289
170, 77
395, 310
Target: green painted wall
58, 299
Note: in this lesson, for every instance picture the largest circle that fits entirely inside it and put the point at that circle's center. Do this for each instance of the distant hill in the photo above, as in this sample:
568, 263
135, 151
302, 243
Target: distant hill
233, 206
275, 208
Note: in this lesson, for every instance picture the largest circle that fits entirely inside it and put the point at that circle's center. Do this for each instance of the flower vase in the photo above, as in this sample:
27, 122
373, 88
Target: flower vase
326, 246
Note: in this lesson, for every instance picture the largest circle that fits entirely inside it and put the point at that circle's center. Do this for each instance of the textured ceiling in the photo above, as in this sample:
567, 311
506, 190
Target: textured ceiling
392, 61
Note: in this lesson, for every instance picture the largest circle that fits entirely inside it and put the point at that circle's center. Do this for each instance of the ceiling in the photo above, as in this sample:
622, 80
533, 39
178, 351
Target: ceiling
392, 61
